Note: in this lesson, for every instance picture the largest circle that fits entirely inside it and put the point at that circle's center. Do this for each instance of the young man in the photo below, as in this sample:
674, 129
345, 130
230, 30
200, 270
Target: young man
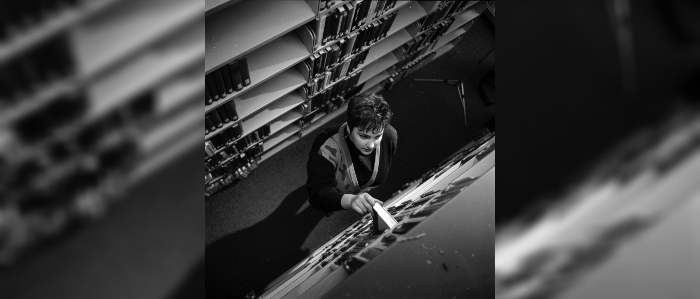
348, 160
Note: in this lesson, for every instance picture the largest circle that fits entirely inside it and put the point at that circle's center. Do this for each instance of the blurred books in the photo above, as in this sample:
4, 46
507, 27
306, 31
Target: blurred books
95, 96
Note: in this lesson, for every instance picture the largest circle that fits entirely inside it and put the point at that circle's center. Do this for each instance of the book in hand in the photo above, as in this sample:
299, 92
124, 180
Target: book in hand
381, 219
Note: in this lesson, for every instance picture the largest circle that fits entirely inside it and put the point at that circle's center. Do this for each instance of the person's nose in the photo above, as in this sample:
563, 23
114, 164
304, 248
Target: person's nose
370, 145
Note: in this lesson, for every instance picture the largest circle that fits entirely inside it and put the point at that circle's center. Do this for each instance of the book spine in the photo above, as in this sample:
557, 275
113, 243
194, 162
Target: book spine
341, 21
348, 20
211, 85
245, 73
320, 24
207, 96
230, 108
344, 69
235, 73
209, 124
356, 15
370, 11
216, 119
223, 114
220, 85
228, 81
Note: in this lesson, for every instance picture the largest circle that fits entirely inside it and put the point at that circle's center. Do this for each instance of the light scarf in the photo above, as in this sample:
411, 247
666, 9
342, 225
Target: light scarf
336, 150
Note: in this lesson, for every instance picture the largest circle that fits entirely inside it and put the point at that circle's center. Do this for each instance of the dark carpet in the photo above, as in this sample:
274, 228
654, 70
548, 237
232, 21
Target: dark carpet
259, 227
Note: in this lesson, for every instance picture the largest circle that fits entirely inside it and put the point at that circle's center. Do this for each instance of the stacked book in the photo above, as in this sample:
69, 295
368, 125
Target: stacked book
218, 117
226, 79
34, 69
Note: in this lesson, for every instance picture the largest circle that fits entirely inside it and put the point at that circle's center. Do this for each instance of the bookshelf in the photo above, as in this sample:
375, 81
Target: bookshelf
449, 37
268, 61
323, 120
378, 66
212, 6
277, 148
385, 46
467, 16
121, 52
286, 119
281, 136
268, 92
54, 25
272, 111
95, 48
224, 44
277, 51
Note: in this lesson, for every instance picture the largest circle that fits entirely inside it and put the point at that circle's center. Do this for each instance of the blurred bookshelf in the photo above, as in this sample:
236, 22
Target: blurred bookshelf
95, 96
305, 60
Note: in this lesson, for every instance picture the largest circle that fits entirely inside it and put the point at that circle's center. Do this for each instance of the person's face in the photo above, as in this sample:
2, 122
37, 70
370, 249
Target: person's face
366, 141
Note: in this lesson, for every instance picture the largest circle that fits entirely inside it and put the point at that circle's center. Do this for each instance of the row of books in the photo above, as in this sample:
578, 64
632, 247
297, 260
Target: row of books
336, 54
337, 23
439, 11
231, 140
78, 194
226, 79
319, 85
94, 139
36, 68
41, 122
218, 117
62, 195
231, 154
16, 15
229, 173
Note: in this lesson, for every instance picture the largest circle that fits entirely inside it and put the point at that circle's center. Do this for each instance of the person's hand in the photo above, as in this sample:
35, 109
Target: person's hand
361, 203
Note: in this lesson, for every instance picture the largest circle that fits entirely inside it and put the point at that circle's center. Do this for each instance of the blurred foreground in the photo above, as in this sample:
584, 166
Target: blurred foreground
630, 230
100, 108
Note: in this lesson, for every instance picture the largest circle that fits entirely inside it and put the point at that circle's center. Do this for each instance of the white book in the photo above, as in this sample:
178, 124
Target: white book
381, 219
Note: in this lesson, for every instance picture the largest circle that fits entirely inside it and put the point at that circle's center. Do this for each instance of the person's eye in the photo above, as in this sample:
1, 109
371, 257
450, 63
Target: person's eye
378, 137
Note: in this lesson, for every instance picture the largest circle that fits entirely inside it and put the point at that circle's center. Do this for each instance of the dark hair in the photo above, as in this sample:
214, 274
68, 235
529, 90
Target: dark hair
368, 112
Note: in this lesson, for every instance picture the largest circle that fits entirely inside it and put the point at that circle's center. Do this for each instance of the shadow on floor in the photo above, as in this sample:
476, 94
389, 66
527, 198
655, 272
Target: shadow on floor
253, 257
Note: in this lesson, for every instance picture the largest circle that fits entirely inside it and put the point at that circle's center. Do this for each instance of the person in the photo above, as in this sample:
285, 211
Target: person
349, 159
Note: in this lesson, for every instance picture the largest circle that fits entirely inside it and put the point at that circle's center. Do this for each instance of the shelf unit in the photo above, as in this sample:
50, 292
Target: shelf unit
275, 52
238, 29
122, 50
